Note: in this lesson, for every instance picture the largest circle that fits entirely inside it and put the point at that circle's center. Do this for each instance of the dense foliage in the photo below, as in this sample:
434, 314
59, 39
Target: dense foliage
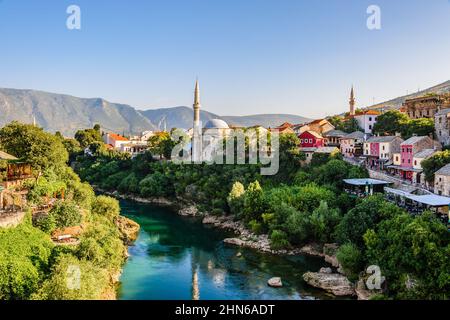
393, 121
301, 204
31, 265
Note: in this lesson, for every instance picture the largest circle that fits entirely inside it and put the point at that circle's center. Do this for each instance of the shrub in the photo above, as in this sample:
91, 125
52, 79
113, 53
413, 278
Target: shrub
66, 214
235, 198
46, 223
350, 258
106, 206
255, 226
279, 240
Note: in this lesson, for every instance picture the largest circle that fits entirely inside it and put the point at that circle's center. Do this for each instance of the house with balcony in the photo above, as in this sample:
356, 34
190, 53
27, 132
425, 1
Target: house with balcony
379, 151
333, 138
352, 144
407, 163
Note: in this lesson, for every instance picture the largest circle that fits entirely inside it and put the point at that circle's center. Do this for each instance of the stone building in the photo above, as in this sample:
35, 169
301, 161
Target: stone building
442, 126
442, 181
426, 106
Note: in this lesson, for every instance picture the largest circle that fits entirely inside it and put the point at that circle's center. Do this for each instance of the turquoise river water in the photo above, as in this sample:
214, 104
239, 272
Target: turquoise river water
179, 258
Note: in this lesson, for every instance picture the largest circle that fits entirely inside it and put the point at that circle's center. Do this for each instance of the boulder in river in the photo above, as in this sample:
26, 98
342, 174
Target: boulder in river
275, 282
334, 283
326, 270
235, 242
190, 211
129, 229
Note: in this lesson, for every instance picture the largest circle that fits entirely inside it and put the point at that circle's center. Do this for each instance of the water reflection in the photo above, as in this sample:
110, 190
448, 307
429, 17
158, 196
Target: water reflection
178, 258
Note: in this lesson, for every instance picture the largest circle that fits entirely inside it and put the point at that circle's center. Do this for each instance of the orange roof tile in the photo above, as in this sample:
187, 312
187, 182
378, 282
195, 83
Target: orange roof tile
117, 137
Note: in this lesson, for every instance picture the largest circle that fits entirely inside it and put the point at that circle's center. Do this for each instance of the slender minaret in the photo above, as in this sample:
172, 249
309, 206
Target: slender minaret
352, 102
197, 105
197, 130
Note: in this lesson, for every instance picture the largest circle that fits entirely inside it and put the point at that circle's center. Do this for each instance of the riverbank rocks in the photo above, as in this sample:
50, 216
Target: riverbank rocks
129, 229
188, 211
363, 293
333, 283
326, 270
312, 249
330, 250
234, 242
275, 282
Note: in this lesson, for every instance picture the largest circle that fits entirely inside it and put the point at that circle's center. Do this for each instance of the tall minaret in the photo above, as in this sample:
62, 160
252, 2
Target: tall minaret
197, 130
197, 105
352, 102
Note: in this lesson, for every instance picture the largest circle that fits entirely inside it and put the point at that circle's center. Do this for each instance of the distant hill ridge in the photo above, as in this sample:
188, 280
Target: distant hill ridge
67, 114
398, 102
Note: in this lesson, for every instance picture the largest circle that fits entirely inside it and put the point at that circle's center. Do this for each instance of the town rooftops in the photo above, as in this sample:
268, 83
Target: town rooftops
368, 113
117, 137
6, 156
425, 153
414, 140
382, 139
355, 135
364, 182
444, 171
315, 134
334, 133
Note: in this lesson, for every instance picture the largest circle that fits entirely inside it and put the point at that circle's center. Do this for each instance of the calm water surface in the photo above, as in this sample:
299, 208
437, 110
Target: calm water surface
179, 258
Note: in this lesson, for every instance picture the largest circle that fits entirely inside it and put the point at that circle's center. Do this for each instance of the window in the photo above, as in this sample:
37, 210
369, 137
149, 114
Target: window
310, 140
396, 159
409, 161
370, 119
370, 127
384, 148
301, 140
403, 160
415, 162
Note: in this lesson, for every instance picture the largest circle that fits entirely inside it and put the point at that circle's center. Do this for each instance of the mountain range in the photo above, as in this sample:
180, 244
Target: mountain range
67, 114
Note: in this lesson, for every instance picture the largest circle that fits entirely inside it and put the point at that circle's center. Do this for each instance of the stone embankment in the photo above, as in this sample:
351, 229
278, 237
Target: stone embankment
11, 219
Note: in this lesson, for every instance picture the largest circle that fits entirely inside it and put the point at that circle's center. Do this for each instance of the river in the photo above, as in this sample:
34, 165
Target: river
179, 258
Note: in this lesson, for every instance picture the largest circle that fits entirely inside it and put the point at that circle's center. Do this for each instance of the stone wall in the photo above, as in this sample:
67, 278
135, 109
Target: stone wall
11, 220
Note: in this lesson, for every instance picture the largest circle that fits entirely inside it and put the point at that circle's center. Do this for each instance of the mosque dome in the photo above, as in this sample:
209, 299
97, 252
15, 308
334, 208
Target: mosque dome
216, 124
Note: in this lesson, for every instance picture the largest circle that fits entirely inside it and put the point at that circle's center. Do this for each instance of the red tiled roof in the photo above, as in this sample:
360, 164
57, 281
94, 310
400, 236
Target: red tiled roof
117, 137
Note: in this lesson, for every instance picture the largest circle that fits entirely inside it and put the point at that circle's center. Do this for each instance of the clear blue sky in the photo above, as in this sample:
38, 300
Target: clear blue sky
251, 56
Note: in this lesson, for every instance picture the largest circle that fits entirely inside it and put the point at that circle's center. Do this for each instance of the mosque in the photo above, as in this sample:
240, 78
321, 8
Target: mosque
208, 139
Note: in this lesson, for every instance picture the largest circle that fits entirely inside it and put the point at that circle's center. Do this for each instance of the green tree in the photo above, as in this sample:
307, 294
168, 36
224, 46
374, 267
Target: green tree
420, 127
253, 201
351, 260
434, 163
390, 122
236, 198
31, 144
88, 136
106, 206
415, 248
66, 214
